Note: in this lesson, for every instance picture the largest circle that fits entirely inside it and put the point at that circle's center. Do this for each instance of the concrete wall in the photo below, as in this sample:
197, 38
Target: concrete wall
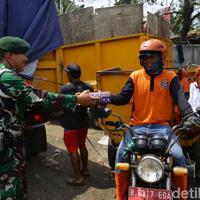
191, 54
157, 25
86, 25
78, 26
118, 21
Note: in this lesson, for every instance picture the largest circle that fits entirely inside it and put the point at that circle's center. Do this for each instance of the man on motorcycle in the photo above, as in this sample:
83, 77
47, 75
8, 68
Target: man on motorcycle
154, 91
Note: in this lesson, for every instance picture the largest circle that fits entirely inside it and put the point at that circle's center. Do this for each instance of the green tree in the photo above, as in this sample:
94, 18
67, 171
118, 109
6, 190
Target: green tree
190, 11
185, 17
133, 2
66, 6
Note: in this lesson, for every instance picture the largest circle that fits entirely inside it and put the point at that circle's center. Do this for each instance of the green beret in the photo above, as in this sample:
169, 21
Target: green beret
14, 44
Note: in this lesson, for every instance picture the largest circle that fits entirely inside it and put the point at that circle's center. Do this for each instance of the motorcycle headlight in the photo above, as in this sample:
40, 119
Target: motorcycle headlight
150, 169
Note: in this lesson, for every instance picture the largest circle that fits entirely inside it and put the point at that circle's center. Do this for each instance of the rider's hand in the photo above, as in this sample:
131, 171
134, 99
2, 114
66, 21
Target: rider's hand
85, 99
191, 123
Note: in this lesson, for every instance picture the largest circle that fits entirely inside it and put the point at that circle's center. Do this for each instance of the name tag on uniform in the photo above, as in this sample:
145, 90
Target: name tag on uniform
164, 84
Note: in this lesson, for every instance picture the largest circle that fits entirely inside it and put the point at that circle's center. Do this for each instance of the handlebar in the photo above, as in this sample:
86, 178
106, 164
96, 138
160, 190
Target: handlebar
180, 127
116, 124
175, 129
110, 123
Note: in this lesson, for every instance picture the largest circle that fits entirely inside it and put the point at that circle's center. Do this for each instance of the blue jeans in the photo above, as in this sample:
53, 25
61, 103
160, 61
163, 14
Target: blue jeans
151, 129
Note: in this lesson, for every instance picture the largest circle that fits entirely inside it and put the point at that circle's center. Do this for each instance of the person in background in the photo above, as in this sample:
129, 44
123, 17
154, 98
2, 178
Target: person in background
17, 97
154, 89
76, 124
194, 94
194, 141
185, 81
185, 84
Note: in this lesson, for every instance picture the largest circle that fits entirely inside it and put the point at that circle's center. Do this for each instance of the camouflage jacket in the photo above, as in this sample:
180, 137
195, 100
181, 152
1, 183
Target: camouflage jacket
16, 97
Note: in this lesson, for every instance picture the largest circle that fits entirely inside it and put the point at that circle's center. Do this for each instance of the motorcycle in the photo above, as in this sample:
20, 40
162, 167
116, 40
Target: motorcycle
152, 174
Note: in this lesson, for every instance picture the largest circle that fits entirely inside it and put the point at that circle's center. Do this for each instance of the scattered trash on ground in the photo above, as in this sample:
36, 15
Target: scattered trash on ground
104, 140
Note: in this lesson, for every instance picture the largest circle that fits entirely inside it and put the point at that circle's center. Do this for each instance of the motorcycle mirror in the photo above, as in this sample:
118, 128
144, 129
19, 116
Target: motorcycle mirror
102, 112
107, 111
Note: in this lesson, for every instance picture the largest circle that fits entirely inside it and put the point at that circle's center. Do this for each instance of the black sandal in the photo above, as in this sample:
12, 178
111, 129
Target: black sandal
72, 181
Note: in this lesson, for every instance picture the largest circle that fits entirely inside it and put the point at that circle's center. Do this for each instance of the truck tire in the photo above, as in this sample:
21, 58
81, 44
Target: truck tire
112, 150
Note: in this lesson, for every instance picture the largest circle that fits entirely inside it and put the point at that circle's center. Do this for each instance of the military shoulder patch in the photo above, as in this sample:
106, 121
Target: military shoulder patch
164, 84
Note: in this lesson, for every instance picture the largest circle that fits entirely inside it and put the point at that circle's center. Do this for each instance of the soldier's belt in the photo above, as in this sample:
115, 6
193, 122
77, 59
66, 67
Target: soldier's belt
18, 140
11, 139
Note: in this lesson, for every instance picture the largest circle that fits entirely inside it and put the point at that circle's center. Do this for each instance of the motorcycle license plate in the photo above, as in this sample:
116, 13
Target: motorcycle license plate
149, 193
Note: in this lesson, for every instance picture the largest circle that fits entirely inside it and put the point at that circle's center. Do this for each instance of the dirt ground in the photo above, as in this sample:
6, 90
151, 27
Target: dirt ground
47, 172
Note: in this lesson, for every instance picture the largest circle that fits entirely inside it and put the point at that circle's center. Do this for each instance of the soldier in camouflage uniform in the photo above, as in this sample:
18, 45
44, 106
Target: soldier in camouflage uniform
15, 98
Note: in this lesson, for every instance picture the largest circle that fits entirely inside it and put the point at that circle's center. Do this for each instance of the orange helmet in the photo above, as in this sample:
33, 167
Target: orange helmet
154, 45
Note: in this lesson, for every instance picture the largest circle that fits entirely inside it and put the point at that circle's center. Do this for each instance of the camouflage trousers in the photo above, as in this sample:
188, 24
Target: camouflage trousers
13, 181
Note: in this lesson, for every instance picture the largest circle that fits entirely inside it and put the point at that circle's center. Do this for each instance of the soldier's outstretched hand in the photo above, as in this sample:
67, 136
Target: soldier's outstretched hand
85, 99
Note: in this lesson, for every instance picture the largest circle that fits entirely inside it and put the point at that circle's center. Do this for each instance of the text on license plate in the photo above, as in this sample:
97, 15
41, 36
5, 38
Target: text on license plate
149, 193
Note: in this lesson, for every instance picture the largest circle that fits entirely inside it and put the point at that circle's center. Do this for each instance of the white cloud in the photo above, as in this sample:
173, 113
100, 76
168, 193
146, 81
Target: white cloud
106, 3
96, 3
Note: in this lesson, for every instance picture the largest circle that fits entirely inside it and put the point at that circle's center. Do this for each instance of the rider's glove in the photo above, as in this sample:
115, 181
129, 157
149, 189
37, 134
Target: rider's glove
191, 123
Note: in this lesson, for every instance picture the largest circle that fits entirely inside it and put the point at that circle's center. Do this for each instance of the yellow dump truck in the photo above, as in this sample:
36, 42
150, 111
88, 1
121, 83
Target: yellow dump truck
95, 58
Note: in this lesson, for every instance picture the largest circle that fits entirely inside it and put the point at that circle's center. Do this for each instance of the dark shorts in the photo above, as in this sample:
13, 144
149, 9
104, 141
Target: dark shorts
75, 139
